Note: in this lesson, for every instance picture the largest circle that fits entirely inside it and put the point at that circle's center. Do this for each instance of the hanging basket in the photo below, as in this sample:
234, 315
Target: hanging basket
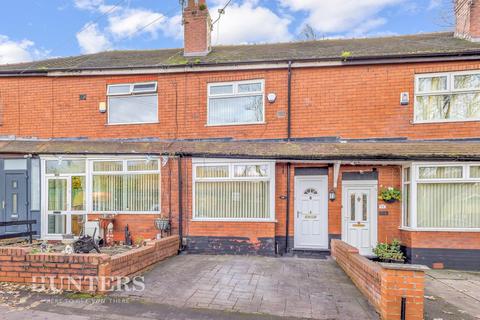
162, 224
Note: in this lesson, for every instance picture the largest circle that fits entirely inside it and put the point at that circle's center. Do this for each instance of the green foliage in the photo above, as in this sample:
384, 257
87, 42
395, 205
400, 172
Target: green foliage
346, 55
202, 7
390, 194
386, 252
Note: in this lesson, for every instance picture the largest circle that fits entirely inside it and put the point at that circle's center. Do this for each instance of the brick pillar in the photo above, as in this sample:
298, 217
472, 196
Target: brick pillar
467, 19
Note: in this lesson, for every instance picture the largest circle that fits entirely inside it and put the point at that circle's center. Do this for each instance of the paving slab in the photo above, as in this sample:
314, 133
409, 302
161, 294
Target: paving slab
287, 287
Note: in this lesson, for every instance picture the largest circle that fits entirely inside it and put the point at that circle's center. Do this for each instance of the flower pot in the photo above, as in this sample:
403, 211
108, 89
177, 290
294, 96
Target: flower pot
162, 224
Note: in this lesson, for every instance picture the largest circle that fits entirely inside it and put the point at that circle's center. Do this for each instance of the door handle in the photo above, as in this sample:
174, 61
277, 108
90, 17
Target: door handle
3, 204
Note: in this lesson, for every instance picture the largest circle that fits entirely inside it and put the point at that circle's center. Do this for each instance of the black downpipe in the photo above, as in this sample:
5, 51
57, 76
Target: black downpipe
180, 202
287, 213
289, 102
403, 309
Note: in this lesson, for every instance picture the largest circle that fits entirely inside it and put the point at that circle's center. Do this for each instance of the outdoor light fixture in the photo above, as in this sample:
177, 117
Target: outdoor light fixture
332, 195
271, 97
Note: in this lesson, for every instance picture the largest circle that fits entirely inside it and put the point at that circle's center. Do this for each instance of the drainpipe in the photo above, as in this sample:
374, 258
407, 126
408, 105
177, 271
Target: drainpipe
287, 213
289, 102
180, 202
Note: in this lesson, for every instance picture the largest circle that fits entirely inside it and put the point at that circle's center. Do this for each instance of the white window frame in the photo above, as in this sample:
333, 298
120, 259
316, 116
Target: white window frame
131, 93
450, 90
89, 186
415, 180
196, 162
235, 94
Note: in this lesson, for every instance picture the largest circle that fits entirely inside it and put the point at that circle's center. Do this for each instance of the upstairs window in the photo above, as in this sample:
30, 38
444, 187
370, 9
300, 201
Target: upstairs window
444, 97
132, 103
236, 103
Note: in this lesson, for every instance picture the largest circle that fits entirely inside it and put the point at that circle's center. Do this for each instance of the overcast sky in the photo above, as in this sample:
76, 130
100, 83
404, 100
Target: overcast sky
39, 29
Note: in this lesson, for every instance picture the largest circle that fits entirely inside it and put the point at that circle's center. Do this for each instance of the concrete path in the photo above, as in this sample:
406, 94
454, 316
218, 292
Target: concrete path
304, 288
451, 294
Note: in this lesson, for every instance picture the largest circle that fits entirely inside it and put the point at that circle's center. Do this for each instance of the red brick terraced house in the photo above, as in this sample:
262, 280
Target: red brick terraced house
255, 149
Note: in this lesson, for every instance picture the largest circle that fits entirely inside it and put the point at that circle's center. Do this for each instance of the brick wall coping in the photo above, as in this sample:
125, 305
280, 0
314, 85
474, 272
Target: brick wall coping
400, 266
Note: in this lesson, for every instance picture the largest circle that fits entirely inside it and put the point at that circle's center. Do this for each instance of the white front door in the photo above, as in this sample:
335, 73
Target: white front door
311, 212
360, 215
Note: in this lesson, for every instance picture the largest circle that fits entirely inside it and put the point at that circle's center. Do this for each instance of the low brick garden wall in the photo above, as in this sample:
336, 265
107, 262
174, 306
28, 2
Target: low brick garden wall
93, 273
384, 284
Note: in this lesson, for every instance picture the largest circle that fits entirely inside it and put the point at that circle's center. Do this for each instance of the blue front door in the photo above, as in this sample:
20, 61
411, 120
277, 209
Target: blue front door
15, 201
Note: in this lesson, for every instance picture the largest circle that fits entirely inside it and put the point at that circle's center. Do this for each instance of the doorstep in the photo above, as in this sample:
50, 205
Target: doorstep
309, 253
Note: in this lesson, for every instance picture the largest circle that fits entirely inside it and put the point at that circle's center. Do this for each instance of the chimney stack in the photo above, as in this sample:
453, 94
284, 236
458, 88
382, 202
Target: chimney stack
467, 19
197, 26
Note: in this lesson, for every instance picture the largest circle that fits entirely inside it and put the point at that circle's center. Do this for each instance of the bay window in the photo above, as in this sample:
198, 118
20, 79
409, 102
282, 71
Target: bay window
236, 103
443, 196
233, 191
453, 96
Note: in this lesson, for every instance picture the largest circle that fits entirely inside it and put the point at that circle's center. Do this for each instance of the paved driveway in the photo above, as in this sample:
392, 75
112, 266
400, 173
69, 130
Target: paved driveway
306, 288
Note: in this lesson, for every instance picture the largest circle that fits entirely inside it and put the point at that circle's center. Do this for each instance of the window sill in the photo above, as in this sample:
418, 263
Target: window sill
463, 230
126, 212
234, 220
236, 124
130, 123
444, 121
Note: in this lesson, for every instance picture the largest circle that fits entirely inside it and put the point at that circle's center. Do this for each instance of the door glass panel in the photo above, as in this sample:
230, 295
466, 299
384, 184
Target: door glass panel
77, 224
14, 184
14, 204
364, 207
15, 164
352, 207
57, 223
78, 193
57, 195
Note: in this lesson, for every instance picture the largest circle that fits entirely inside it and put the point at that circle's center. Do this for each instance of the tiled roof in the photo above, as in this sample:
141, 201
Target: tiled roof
420, 45
312, 150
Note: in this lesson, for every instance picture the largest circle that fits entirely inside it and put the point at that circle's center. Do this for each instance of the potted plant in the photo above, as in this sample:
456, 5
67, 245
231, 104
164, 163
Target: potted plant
389, 252
390, 195
162, 223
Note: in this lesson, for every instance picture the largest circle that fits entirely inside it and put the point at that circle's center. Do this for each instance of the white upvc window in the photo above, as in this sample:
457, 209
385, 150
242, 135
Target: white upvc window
441, 196
447, 97
236, 103
233, 190
124, 186
132, 103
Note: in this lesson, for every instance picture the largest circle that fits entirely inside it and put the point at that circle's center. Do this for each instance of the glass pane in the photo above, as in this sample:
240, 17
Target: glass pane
250, 87
119, 89
15, 164
14, 184
35, 185
78, 193
57, 194
14, 204
406, 174
57, 224
107, 193
467, 81
133, 109
232, 200
440, 172
352, 207
134, 192
432, 108
65, 166
144, 87
77, 224
364, 207
465, 106
221, 89
212, 172
406, 205
106, 166
448, 205
142, 165
432, 84
233, 110
475, 172
251, 171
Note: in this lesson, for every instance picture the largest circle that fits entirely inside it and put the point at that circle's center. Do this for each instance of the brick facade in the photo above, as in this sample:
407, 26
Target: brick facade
467, 16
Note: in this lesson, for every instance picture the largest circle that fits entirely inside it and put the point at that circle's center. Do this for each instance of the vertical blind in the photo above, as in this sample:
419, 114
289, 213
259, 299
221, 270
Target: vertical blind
448, 205
232, 199
126, 192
